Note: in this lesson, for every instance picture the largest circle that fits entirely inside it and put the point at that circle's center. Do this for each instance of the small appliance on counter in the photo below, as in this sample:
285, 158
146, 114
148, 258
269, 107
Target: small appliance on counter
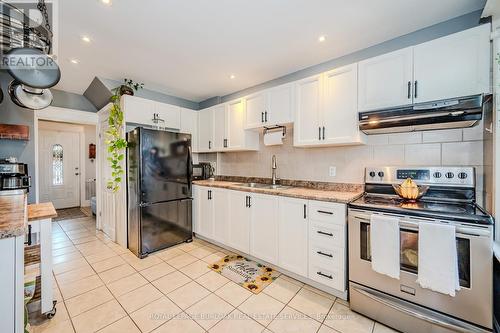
203, 170
14, 175
448, 199
159, 174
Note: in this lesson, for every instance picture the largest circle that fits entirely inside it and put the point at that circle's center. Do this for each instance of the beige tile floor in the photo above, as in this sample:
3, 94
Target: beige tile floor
102, 287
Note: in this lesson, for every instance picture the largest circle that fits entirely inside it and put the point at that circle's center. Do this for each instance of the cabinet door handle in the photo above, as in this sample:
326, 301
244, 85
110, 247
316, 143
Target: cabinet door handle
409, 89
319, 133
208, 194
265, 116
325, 254
262, 117
325, 275
416, 89
323, 132
324, 233
305, 210
209, 144
246, 200
249, 201
325, 212
29, 236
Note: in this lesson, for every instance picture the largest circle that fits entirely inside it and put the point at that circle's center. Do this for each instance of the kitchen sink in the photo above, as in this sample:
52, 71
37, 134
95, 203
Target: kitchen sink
264, 186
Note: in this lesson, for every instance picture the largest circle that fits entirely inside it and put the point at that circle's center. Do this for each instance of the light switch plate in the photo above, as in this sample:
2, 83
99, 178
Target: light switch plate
332, 171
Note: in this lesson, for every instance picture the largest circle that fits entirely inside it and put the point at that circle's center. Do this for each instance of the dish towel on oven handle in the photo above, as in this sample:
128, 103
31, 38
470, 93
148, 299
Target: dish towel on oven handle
384, 244
437, 258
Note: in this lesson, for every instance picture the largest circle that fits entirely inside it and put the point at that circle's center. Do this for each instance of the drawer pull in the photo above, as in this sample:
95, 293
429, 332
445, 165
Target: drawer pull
325, 254
324, 233
324, 275
325, 212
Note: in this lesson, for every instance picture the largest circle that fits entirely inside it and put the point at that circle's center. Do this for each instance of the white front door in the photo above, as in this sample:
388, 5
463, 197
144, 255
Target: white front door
59, 154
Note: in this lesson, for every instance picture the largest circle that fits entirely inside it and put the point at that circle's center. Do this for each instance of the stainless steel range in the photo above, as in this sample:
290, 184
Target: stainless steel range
403, 304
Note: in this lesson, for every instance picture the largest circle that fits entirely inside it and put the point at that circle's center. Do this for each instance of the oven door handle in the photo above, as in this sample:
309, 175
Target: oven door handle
380, 298
414, 226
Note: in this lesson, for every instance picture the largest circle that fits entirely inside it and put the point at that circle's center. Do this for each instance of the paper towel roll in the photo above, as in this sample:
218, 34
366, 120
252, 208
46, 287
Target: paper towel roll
273, 138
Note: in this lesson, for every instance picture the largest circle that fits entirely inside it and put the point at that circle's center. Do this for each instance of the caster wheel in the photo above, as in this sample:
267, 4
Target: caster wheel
51, 314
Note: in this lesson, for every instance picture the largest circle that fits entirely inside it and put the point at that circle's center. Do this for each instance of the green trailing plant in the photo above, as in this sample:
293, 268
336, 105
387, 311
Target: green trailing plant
114, 139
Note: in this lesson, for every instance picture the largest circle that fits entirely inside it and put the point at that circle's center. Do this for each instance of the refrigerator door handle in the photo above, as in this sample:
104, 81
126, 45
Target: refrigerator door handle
189, 167
145, 204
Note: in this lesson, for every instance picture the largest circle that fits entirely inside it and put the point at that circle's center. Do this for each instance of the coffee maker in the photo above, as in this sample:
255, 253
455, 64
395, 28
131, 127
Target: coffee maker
14, 176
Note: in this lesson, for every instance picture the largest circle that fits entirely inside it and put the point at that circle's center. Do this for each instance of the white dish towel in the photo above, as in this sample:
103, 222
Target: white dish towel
384, 244
437, 258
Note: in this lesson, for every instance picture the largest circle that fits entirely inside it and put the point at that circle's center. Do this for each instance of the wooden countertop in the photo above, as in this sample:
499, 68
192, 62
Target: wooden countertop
13, 215
41, 211
294, 192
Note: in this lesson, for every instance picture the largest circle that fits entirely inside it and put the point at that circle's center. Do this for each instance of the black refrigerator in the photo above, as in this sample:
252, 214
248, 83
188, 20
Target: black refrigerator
159, 191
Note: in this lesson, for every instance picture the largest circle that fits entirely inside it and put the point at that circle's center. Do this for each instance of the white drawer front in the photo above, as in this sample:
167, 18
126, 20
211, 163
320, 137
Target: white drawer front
326, 235
328, 276
328, 212
333, 258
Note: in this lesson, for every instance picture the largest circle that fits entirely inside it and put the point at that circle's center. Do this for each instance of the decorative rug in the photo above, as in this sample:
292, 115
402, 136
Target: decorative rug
69, 214
245, 272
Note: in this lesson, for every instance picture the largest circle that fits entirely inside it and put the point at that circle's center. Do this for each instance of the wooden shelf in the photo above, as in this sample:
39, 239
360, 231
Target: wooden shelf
14, 132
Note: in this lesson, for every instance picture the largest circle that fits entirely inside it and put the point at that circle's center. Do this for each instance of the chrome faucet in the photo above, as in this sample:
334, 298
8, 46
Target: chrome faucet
274, 167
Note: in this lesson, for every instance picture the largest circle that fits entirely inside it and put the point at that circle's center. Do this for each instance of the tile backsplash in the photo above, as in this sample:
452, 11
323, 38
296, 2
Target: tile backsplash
435, 148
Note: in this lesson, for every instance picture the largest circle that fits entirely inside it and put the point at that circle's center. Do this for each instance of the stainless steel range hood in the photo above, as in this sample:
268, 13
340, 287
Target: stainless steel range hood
450, 113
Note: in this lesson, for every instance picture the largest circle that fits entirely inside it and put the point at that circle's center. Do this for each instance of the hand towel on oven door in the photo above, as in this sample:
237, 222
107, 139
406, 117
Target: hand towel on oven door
384, 245
437, 258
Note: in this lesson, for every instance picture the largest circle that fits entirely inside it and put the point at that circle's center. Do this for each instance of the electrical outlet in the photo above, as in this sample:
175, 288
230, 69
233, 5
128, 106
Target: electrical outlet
332, 171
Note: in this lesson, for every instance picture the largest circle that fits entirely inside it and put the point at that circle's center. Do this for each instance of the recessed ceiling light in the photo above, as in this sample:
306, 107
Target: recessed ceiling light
322, 38
86, 39
106, 2
232, 76
74, 61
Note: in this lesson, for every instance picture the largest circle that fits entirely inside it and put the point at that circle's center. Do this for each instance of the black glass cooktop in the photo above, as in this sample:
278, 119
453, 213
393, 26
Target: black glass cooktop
459, 211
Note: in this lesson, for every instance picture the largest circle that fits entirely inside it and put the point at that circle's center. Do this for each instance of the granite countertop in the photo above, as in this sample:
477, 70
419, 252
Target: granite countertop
343, 195
41, 211
13, 215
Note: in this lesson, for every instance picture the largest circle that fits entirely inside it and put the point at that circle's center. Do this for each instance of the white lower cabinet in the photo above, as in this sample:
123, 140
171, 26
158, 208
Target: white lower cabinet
264, 227
292, 240
205, 212
220, 198
239, 221
304, 237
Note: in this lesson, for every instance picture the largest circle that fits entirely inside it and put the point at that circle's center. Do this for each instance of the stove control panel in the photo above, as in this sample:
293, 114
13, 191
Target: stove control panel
448, 176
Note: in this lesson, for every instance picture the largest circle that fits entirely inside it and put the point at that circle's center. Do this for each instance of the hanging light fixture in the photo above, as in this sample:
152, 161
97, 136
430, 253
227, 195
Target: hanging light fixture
33, 70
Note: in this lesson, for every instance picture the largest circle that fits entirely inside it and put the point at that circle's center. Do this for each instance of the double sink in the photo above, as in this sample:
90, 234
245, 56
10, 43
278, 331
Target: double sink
264, 186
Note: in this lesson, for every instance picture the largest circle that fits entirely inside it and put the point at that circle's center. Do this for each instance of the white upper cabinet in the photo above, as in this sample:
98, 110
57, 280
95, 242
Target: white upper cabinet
219, 114
138, 110
453, 66
307, 118
228, 128
270, 107
340, 111
256, 106
171, 114
142, 111
189, 124
206, 130
326, 109
386, 81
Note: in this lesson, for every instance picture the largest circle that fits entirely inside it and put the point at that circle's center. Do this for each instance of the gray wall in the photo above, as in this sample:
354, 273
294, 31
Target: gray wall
420, 36
155, 96
23, 150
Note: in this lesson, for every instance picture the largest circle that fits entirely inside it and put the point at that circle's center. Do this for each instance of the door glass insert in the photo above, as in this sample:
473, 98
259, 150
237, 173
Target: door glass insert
57, 165
409, 252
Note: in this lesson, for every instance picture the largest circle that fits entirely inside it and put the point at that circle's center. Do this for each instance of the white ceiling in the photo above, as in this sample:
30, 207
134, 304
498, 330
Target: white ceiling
188, 48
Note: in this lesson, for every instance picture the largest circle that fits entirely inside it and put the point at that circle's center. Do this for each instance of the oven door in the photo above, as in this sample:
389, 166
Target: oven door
473, 303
